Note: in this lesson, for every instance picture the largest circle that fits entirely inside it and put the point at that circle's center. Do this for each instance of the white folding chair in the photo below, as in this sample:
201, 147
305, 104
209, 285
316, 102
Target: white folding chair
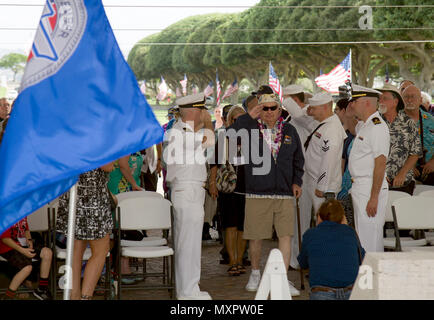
146, 241
412, 213
146, 213
390, 242
427, 193
421, 188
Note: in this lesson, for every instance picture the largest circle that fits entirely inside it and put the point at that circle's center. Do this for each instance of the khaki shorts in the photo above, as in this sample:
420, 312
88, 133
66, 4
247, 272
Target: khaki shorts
262, 214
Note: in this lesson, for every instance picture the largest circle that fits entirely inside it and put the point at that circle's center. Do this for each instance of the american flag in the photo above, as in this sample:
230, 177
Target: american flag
162, 90
208, 90
194, 91
219, 88
274, 82
331, 81
178, 92
184, 85
231, 89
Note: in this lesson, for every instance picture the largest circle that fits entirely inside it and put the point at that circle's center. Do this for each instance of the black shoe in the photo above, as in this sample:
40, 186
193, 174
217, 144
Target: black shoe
42, 294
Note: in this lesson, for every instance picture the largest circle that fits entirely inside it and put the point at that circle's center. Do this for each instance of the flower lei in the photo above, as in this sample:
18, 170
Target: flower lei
277, 138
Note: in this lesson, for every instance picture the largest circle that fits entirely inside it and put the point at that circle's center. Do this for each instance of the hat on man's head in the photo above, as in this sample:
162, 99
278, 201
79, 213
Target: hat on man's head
391, 88
293, 89
320, 99
264, 89
265, 98
360, 92
196, 101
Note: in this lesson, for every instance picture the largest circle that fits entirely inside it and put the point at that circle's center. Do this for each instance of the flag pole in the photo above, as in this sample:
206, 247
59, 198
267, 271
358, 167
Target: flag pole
70, 242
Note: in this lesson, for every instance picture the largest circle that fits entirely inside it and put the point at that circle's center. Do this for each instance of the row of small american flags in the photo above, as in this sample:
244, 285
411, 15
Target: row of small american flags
330, 82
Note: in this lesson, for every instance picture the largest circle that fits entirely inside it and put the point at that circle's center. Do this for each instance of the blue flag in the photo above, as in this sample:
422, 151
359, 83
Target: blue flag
79, 108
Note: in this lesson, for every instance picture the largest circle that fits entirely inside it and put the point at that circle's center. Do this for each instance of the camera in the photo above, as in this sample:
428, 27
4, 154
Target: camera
345, 90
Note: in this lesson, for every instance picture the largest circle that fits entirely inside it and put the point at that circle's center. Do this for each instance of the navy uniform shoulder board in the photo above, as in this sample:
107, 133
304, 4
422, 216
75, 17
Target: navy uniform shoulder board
376, 120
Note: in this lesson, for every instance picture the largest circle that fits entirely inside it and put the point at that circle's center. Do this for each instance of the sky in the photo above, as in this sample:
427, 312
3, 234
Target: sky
120, 18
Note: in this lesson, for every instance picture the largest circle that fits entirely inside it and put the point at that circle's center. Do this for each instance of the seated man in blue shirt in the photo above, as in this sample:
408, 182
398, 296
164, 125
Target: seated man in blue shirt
332, 253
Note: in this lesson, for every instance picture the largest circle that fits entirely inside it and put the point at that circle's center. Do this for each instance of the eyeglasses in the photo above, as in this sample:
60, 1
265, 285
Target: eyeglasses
273, 108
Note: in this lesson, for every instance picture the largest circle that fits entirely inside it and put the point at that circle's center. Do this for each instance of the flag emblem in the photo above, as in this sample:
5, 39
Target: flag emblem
59, 32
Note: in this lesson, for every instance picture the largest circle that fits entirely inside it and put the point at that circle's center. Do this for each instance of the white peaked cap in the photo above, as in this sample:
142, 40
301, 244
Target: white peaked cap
320, 99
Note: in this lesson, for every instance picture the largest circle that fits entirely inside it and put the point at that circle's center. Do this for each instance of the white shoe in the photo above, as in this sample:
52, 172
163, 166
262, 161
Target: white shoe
201, 295
253, 283
293, 290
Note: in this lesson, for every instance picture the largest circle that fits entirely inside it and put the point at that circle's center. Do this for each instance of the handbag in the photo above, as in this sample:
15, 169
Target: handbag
226, 180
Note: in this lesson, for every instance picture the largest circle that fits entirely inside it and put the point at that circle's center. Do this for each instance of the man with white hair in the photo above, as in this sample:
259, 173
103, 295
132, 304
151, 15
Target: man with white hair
323, 151
186, 173
426, 102
367, 165
425, 124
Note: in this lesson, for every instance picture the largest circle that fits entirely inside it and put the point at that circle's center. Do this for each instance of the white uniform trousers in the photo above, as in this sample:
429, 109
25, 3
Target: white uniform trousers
188, 203
307, 200
369, 229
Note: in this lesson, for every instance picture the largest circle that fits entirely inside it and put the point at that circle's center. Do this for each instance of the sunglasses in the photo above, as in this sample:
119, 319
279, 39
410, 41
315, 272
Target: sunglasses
273, 108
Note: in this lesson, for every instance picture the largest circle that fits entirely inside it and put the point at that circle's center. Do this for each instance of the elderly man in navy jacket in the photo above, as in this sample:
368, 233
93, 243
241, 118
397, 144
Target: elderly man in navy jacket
273, 177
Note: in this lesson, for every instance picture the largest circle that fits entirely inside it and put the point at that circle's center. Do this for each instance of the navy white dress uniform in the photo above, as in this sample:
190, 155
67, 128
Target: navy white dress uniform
372, 140
303, 124
186, 174
324, 154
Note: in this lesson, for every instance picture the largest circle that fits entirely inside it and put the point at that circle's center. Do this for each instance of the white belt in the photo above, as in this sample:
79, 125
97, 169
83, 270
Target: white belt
182, 183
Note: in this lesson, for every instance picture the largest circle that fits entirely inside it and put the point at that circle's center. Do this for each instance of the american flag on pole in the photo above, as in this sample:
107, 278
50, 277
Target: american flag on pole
162, 90
387, 74
219, 88
184, 85
274, 82
194, 90
331, 81
231, 89
208, 90
143, 87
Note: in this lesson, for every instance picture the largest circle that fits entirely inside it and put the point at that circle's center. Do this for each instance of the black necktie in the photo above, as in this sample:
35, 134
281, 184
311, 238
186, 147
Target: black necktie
306, 144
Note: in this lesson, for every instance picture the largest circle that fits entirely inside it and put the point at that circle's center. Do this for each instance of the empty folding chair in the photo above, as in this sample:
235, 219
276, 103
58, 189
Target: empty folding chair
146, 241
427, 193
421, 188
412, 213
146, 213
390, 242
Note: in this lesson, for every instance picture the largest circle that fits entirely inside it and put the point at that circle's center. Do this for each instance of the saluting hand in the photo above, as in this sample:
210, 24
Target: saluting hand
255, 111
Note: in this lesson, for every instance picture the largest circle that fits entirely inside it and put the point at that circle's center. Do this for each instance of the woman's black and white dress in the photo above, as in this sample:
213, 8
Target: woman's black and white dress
93, 216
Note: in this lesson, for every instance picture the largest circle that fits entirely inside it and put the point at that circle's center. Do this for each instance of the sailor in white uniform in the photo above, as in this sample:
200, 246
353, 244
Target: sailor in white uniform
186, 173
367, 165
323, 174
294, 102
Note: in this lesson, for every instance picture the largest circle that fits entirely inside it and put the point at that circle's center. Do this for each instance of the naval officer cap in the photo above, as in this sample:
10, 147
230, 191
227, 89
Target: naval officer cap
196, 101
293, 89
360, 92
320, 99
